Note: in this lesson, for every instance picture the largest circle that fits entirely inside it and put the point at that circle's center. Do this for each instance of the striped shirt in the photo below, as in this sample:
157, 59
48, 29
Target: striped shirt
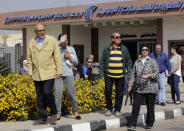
115, 66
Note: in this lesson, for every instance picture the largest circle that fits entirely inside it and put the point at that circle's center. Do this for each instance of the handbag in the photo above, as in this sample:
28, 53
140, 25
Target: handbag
136, 85
135, 88
169, 80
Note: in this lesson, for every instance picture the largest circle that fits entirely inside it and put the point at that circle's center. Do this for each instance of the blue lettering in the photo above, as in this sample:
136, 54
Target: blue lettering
171, 5
22, 18
141, 8
47, 16
39, 17
107, 11
124, 9
9, 19
42, 17
119, 8
25, 18
51, 16
72, 14
33, 17
179, 4
19, 19
66, 14
30, 17
61, 15
182, 5
157, 7
6, 20
100, 11
56, 15
80, 13
113, 10
132, 8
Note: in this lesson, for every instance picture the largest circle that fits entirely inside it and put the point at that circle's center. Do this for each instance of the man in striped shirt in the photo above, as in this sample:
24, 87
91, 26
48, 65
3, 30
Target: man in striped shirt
115, 59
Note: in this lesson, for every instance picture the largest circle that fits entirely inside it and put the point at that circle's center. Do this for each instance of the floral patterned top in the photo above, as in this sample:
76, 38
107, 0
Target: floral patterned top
147, 85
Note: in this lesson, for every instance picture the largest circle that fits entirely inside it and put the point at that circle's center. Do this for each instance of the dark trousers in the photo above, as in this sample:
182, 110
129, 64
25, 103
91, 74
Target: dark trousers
150, 103
45, 97
119, 92
174, 81
125, 85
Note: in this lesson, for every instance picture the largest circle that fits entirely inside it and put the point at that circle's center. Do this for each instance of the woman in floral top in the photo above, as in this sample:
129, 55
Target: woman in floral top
145, 73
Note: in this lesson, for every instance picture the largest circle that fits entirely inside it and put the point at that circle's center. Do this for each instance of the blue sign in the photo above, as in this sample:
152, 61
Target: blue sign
124, 9
88, 13
44, 17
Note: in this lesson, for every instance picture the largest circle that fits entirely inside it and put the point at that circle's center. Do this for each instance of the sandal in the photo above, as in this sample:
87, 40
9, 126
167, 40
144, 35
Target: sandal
58, 117
171, 101
77, 116
178, 102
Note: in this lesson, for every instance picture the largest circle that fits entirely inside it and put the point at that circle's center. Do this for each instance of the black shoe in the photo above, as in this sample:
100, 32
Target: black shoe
131, 128
78, 117
162, 104
156, 102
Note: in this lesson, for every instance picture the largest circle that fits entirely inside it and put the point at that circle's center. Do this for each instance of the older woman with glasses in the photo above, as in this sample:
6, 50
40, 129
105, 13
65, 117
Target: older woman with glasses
143, 83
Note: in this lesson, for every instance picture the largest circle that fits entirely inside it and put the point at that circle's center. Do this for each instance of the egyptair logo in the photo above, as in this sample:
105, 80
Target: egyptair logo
89, 12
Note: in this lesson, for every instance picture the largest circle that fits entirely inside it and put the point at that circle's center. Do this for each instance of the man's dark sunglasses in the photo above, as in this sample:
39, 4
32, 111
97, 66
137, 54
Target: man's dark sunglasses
144, 49
117, 37
40, 30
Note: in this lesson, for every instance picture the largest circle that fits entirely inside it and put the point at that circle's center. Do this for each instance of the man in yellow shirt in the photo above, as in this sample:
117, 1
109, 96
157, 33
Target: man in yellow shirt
44, 65
115, 59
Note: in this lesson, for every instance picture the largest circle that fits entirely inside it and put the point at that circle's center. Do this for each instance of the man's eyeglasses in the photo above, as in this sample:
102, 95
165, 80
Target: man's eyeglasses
144, 49
117, 37
90, 62
40, 30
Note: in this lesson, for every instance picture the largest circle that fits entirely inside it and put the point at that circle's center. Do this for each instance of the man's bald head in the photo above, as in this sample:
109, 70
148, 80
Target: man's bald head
39, 25
40, 30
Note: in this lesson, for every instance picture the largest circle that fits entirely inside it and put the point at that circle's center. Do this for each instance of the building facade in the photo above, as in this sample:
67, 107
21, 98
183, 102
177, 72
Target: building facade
89, 27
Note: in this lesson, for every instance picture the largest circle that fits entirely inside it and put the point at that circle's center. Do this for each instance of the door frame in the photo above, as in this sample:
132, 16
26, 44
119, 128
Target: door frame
82, 48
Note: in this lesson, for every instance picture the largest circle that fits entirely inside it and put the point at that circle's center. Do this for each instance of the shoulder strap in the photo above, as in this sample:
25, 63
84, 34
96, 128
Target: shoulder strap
143, 68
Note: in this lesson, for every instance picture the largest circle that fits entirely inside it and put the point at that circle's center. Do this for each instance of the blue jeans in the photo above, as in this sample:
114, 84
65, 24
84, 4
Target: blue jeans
175, 79
161, 85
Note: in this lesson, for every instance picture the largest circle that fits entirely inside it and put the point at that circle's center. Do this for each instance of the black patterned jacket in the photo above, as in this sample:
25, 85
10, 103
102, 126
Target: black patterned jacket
147, 85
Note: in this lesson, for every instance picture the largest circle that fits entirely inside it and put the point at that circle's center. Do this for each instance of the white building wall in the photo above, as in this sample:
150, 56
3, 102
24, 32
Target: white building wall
53, 30
173, 29
79, 35
105, 33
